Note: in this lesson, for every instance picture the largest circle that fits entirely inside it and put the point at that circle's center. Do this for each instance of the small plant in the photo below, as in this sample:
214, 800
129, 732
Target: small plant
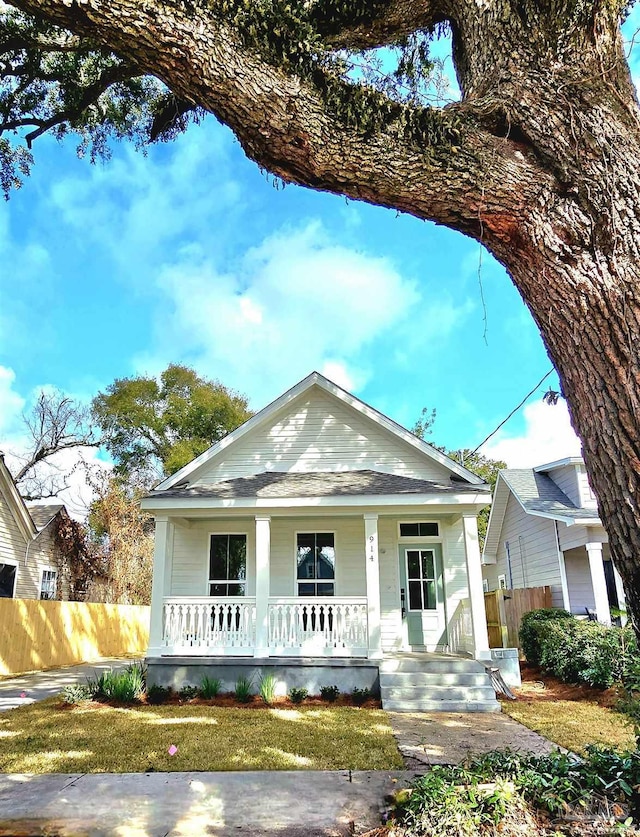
124, 686
243, 690
157, 695
188, 692
360, 696
210, 687
76, 693
329, 693
297, 695
268, 688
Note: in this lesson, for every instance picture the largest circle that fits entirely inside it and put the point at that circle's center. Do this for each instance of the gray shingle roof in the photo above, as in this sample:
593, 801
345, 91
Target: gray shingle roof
42, 514
279, 485
538, 492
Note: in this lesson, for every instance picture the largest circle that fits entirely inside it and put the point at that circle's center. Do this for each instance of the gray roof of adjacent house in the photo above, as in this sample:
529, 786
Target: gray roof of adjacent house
537, 492
282, 485
43, 514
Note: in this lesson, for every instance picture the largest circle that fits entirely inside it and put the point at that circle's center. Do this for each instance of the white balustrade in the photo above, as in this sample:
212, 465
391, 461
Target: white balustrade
206, 625
333, 626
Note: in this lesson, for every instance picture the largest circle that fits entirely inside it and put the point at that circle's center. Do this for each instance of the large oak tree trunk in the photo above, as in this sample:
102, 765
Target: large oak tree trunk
539, 161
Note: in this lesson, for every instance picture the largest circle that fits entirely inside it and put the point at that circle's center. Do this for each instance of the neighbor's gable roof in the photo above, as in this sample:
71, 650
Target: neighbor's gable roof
42, 515
315, 379
16, 504
539, 496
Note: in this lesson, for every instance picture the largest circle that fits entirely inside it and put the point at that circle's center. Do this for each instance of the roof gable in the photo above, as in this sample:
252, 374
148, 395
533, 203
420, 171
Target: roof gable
15, 503
317, 425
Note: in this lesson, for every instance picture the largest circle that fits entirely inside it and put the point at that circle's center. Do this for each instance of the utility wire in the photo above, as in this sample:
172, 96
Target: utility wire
513, 412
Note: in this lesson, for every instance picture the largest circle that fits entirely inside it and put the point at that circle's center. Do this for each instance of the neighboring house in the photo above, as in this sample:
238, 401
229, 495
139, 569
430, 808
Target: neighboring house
29, 566
544, 529
317, 541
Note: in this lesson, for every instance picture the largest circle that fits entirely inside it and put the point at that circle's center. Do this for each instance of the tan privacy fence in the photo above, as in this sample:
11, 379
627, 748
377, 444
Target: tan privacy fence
505, 609
43, 634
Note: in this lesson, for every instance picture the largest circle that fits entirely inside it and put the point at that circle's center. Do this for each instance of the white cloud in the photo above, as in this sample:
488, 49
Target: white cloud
295, 303
548, 436
11, 403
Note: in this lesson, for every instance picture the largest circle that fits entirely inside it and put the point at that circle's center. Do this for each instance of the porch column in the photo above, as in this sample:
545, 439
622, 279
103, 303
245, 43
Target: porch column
372, 574
476, 594
263, 556
596, 567
161, 582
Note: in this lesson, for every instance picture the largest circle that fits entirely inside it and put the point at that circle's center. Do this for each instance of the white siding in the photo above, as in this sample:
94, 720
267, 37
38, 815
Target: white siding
390, 613
319, 433
579, 581
566, 478
13, 546
587, 497
533, 551
455, 580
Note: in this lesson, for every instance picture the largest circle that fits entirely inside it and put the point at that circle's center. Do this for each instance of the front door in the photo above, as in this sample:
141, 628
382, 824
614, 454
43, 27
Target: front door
423, 595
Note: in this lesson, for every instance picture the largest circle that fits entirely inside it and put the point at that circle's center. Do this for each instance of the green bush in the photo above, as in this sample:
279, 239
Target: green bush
243, 690
124, 686
297, 695
76, 693
360, 696
267, 688
158, 694
188, 692
530, 626
210, 687
329, 693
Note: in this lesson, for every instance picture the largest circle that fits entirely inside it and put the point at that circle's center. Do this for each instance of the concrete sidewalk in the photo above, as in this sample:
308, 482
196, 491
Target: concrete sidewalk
305, 803
29, 688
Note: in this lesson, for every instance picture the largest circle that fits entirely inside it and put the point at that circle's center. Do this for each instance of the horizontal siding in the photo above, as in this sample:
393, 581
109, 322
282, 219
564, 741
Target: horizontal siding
581, 595
393, 635
319, 433
42, 556
566, 478
13, 547
533, 550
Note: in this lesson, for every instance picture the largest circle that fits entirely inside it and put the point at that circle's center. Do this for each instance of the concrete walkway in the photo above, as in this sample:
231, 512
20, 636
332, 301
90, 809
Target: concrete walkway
305, 803
29, 688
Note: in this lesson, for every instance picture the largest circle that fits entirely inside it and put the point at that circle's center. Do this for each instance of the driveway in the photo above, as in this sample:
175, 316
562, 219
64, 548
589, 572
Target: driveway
28, 688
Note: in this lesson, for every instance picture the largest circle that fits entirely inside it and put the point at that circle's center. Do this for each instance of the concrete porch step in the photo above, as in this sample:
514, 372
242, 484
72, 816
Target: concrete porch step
430, 664
418, 693
427, 705
428, 679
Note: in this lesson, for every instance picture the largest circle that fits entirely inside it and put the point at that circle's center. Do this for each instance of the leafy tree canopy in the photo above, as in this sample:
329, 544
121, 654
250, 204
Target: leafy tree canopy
155, 427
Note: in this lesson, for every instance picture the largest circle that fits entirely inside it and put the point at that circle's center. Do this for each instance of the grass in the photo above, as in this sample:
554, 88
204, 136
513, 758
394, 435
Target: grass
45, 738
573, 724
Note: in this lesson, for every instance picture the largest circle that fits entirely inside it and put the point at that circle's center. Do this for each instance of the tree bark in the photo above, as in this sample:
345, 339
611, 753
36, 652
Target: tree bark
539, 162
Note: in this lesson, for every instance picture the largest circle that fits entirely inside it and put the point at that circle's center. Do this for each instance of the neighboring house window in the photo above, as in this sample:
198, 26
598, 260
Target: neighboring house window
8, 574
421, 529
228, 565
485, 585
502, 582
316, 563
48, 584
421, 576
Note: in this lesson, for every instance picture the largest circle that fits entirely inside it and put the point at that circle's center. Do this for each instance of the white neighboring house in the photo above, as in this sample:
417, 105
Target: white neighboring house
318, 535
29, 565
544, 529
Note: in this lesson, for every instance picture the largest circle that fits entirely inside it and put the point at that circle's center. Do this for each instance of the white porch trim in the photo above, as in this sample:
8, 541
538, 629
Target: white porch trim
596, 568
564, 584
476, 595
372, 575
263, 557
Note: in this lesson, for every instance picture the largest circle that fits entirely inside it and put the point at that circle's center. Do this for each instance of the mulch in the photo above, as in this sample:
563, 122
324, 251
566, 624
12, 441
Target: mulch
537, 685
228, 700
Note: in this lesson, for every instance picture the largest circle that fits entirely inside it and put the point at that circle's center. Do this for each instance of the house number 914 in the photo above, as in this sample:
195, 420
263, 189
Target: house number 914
372, 547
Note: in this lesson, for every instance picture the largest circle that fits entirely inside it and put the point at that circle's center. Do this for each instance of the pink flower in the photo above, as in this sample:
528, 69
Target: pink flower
23, 694
172, 750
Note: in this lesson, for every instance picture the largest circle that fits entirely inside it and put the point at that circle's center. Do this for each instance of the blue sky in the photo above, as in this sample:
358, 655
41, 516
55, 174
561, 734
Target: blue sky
191, 255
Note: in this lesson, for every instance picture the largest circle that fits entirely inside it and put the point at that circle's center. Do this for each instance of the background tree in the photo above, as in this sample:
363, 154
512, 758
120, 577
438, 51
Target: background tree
55, 424
538, 160
153, 428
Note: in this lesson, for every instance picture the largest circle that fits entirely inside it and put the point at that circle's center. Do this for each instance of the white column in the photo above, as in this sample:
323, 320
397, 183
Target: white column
372, 574
622, 599
161, 583
564, 584
594, 551
476, 594
263, 557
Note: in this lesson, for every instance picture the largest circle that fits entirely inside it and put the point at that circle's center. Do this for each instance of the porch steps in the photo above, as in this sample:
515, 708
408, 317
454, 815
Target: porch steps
435, 683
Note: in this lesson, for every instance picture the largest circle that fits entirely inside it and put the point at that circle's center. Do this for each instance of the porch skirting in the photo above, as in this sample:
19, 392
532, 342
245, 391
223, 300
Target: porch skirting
299, 672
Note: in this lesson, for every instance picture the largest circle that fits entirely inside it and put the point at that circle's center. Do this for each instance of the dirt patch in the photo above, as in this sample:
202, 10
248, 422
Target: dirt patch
537, 685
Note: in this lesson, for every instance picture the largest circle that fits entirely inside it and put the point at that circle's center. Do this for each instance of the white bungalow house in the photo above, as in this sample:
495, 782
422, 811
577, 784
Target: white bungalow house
326, 544
544, 529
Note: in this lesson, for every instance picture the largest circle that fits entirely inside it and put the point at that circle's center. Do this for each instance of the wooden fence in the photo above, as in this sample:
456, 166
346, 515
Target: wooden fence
36, 635
505, 609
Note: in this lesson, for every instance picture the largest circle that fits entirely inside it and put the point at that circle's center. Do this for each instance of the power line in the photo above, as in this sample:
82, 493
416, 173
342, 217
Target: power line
513, 412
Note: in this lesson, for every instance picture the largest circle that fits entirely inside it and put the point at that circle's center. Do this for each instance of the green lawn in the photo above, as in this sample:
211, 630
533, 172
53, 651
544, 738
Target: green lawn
45, 738
573, 723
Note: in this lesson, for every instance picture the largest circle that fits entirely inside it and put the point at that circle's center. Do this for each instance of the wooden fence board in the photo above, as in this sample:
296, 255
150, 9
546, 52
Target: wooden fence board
505, 609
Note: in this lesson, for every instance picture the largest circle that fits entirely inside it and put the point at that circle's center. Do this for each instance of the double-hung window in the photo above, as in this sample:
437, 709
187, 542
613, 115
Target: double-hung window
228, 565
48, 584
8, 574
316, 564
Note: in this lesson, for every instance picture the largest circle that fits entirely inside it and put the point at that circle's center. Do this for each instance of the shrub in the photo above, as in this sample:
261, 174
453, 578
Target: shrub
530, 626
329, 693
243, 690
124, 686
360, 696
268, 688
210, 687
188, 692
76, 693
158, 694
297, 695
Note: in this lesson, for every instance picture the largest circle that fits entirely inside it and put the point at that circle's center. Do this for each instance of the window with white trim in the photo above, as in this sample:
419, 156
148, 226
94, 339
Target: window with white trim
502, 582
48, 584
421, 578
8, 575
419, 529
485, 585
228, 565
316, 563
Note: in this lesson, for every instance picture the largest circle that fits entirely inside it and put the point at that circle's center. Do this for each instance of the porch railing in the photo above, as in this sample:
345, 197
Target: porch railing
335, 627
204, 625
